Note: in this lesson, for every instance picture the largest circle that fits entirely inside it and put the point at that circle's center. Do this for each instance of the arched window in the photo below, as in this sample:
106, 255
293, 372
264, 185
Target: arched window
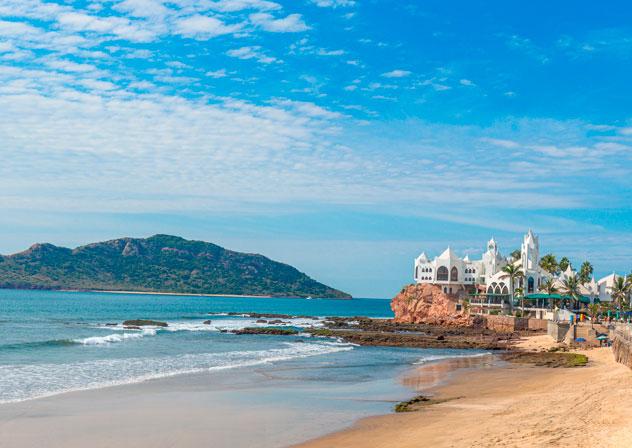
505, 290
454, 274
490, 290
530, 285
442, 274
416, 271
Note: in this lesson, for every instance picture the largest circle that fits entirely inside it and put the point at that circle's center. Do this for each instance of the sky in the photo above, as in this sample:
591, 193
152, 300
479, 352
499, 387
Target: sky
340, 136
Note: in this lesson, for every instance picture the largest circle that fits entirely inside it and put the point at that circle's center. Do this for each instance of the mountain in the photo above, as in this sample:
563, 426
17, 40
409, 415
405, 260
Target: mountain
161, 263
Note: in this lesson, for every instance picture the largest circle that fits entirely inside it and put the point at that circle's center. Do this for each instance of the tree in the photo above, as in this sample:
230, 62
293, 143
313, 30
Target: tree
516, 254
570, 288
549, 288
585, 272
520, 294
621, 291
564, 263
549, 263
593, 309
512, 273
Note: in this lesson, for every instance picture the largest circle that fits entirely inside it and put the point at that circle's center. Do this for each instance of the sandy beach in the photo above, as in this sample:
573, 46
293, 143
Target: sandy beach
511, 406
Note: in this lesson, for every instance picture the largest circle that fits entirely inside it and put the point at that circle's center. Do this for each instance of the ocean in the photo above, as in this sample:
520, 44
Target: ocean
52, 342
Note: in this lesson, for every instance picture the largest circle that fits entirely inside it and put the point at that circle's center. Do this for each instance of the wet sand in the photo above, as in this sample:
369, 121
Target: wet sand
267, 407
511, 406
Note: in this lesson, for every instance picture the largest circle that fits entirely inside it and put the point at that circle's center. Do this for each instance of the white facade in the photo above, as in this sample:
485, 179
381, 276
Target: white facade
449, 271
456, 274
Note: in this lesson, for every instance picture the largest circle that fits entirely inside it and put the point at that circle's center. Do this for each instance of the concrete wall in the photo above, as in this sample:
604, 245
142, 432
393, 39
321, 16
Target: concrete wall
537, 324
509, 324
557, 330
622, 346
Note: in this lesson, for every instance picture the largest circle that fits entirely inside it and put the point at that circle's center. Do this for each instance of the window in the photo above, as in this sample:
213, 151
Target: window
442, 274
530, 285
454, 274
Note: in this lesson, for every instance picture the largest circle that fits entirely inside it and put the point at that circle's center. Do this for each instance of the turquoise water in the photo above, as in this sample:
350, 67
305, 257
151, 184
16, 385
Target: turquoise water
53, 342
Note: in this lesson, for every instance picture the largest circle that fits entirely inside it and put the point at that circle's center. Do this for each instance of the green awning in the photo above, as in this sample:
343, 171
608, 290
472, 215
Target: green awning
582, 299
543, 297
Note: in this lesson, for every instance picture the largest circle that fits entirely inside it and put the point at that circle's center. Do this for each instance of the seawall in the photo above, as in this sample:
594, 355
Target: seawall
621, 338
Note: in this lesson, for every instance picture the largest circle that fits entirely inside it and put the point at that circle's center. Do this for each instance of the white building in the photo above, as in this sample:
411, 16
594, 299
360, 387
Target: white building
458, 275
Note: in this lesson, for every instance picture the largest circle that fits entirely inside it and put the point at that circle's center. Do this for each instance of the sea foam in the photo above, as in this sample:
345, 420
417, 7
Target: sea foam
25, 382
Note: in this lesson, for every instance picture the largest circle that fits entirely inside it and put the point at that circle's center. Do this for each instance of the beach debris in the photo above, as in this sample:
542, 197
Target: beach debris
420, 401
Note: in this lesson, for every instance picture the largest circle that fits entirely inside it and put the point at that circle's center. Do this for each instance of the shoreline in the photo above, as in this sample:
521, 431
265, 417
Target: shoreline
199, 407
481, 408
184, 294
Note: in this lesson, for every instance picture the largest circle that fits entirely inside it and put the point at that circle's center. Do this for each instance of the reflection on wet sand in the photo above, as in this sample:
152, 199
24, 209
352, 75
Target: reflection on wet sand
434, 374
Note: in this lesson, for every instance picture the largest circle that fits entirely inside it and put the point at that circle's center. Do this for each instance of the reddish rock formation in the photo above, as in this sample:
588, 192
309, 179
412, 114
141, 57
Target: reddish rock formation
427, 304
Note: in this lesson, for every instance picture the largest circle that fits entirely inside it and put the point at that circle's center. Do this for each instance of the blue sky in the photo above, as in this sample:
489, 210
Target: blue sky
340, 136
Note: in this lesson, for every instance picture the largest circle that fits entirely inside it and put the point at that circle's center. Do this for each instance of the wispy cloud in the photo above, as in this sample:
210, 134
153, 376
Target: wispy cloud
292, 23
396, 74
253, 52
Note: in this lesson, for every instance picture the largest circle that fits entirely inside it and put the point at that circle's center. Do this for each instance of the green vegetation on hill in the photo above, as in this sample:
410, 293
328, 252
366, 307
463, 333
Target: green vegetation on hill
161, 263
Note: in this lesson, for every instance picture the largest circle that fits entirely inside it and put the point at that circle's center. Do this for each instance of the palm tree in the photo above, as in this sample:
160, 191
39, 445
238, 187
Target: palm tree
549, 263
594, 310
512, 272
549, 288
563, 264
621, 291
520, 293
570, 288
585, 271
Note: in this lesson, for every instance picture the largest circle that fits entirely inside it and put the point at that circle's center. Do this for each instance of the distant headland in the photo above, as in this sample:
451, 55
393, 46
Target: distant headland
159, 264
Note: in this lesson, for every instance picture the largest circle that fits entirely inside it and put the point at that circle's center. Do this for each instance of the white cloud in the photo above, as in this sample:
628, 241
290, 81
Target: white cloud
117, 26
333, 3
253, 52
467, 83
240, 5
217, 73
396, 74
323, 52
204, 27
291, 24
70, 66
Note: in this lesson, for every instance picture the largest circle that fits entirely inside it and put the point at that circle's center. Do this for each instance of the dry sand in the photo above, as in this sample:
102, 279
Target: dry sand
512, 406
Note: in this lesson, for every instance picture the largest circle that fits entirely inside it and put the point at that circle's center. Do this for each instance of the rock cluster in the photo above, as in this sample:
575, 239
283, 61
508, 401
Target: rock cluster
427, 304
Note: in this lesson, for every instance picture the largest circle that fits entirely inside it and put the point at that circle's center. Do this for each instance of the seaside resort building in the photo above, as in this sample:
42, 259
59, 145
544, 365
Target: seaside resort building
485, 281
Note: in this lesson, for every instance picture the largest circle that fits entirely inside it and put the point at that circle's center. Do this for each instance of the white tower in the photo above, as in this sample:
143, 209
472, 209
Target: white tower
530, 252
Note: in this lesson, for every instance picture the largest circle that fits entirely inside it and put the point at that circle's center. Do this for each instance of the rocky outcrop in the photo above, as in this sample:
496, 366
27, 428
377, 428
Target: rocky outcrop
427, 304
144, 323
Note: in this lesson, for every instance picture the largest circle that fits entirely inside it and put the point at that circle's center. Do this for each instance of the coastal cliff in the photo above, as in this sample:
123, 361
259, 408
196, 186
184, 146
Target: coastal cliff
427, 304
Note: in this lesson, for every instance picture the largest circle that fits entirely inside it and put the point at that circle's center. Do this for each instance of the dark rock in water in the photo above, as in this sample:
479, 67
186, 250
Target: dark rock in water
223, 331
262, 321
207, 322
267, 330
277, 322
109, 324
144, 323
132, 327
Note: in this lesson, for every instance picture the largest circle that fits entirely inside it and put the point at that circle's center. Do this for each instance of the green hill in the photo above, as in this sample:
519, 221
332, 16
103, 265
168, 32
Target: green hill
161, 263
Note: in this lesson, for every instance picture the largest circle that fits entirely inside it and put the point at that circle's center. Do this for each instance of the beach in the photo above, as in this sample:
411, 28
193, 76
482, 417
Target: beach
511, 406
72, 375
